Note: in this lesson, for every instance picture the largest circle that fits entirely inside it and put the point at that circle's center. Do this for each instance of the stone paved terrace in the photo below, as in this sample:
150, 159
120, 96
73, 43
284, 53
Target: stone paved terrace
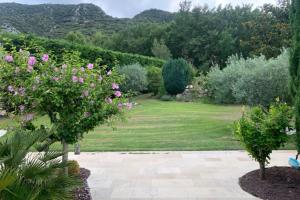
171, 175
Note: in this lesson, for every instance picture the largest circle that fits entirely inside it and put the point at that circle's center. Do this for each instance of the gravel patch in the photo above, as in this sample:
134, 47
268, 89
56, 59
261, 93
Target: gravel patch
83, 193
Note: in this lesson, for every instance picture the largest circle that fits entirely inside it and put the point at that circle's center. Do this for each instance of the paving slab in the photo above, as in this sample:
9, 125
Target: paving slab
206, 175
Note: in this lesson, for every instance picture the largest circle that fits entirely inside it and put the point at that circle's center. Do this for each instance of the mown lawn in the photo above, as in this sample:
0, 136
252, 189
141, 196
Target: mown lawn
159, 125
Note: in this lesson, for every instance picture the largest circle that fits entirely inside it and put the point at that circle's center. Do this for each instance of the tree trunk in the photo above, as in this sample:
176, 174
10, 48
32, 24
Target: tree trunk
65, 156
298, 125
294, 65
262, 171
77, 149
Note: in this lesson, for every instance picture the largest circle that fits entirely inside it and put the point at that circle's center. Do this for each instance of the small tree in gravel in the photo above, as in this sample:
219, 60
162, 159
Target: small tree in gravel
262, 131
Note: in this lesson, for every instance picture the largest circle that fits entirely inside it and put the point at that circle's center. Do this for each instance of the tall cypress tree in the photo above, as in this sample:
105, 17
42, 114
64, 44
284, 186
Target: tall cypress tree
295, 65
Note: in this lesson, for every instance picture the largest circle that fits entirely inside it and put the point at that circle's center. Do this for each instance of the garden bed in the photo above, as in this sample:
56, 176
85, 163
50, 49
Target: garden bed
83, 193
282, 183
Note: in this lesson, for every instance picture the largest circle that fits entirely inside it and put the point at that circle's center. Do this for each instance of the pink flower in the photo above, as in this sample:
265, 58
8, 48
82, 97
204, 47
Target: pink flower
55, 79
85, 93
28, 117
82, 69
100, 78
10, 88
29, 68
74, 79
31, 60
120, 106
22, 108
108, 100
87, 114
81, 80
115, 86
118, 94
45, 57
129, 106
17, 70
90, 66
9, 58
22, 91
109, 72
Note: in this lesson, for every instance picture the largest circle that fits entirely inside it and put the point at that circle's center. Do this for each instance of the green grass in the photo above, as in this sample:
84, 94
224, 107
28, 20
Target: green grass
158, 125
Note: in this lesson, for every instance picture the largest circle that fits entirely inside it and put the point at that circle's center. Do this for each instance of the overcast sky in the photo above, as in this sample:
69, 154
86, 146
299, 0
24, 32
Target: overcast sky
129, 8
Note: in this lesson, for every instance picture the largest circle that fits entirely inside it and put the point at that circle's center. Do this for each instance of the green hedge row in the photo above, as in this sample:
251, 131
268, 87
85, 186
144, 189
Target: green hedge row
88, 52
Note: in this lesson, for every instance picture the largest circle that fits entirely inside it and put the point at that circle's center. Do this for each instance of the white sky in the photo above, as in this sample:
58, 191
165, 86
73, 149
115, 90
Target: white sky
129, 8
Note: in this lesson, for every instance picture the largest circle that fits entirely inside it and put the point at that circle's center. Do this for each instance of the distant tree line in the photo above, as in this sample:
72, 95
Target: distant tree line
204, 36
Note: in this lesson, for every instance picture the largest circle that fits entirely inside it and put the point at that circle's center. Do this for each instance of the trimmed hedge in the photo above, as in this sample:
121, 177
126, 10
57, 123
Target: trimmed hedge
88, 52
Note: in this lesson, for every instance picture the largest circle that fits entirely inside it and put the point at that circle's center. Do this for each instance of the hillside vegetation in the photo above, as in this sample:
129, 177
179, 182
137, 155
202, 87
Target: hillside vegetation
204, 36
56, 20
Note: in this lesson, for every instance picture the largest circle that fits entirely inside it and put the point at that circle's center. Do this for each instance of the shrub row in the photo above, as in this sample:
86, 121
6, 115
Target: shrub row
88, 52
253, 81
139, 79
135, 78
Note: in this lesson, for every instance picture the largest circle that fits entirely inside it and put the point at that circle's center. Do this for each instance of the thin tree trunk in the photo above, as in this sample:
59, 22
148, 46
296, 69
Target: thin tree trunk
77, 146
298, 128
77, 149
262, 170
65, 156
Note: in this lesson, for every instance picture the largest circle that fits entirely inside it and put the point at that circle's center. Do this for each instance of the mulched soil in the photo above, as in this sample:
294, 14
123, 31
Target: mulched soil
282, 183
83, 193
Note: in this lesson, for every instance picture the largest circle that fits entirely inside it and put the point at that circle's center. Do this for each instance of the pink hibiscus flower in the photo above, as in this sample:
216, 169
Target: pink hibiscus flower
118, 94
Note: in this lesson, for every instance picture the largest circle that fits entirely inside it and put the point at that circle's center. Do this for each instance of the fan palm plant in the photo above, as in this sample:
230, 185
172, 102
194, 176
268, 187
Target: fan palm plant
32, 176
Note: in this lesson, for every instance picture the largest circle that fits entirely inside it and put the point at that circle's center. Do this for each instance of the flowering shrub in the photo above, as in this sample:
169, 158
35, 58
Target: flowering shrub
77, 96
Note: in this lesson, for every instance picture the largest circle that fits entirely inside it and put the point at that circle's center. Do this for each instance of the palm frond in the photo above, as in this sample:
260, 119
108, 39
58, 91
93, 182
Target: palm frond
32, 176
51, 156
7, 178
